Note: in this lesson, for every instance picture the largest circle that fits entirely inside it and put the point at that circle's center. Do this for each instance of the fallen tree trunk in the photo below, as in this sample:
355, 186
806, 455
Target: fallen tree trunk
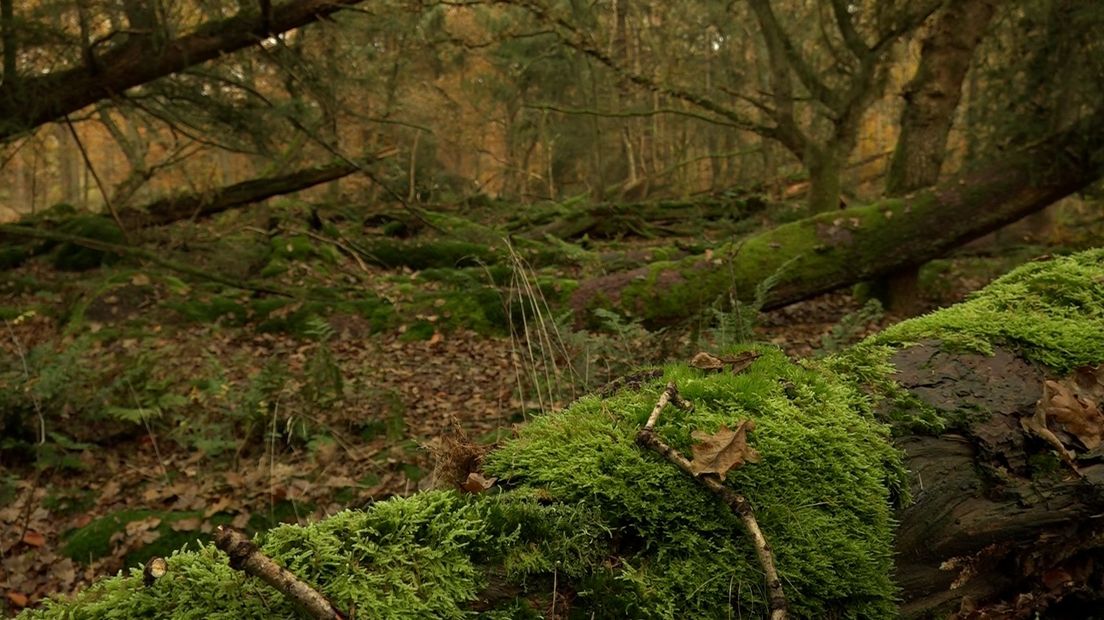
205, 204
832, 250
641, 219
572, 517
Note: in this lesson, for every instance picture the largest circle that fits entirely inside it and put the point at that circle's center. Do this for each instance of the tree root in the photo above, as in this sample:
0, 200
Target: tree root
648, 438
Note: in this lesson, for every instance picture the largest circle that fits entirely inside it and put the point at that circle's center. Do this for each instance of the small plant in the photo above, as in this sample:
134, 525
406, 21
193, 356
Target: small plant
850, 328
733, 322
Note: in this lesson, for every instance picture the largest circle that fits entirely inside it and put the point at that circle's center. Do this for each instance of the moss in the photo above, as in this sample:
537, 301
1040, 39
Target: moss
94, 541
1051, 312
419, 557
440, 253
73, 257
821, 493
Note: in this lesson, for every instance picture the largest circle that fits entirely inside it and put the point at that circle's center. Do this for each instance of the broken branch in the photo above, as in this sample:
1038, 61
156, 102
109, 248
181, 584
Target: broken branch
247, 557
648, 438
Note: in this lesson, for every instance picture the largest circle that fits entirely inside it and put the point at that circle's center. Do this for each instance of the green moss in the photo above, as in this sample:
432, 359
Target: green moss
73, 257
440, 253
420, 557
94, 541
821, 493
1051, 312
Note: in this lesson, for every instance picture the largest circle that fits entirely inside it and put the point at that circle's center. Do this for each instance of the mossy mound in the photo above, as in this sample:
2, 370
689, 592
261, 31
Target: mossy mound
439, 253
1051, 312
73, 257
627, 532
822, 492
420, 557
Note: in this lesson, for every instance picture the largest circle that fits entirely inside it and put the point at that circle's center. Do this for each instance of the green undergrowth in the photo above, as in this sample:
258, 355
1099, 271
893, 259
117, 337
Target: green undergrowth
420, 557
1051, 312
587, 507
822, 492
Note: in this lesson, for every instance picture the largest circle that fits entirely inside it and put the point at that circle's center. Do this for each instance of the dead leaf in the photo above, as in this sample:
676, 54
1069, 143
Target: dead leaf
741, 362
18, 599
476, 483
724, 450
186, 525
1071, 405
34, 539
705, 361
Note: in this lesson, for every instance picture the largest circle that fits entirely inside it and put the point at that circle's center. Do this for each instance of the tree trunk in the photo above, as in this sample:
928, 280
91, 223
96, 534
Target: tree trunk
931, 98
824, 165
46, 98
583, 521
175, 208
832, 250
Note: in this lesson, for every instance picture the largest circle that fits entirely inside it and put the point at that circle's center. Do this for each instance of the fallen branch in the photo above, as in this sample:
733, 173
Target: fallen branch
246, 557
143, 254
648, 438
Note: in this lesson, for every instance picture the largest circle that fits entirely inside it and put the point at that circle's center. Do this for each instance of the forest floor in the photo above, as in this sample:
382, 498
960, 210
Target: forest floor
140, 408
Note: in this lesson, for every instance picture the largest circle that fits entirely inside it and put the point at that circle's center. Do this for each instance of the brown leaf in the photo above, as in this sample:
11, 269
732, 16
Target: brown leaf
476, 483
18, 599
705, 361
724, 450
740, 362
1072, 405
186, 525
34, 539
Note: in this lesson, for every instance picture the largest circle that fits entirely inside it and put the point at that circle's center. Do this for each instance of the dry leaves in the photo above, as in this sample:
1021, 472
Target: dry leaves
1068, 416
724, 450
738, 363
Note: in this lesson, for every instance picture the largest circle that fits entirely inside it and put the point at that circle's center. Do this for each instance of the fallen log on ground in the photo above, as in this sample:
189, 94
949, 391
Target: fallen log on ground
951, 463
642, 219
205, 204
831, 250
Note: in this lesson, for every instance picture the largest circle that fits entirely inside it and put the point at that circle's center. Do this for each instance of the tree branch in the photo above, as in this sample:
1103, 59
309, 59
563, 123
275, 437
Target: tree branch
49, 97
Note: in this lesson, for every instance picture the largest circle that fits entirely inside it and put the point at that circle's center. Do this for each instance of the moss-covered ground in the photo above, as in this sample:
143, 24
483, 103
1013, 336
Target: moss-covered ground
193, 402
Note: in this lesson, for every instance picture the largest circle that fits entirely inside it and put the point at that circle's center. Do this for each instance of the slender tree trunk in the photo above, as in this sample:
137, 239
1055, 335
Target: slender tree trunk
931, 99
8, 44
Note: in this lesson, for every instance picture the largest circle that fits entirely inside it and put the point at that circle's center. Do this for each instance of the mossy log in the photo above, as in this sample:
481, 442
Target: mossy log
907, 476
205, 204
643, 219
831, 250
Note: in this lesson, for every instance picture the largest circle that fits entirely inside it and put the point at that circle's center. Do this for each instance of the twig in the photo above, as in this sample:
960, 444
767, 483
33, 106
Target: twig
648, 438
96, 177
246, 557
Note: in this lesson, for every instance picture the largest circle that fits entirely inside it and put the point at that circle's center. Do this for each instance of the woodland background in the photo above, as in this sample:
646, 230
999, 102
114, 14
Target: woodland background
283, 249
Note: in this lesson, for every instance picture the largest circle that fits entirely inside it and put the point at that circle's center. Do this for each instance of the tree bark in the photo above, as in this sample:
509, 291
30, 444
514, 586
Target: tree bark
175, 208
931, 98
933, 95
46, 98
831, 250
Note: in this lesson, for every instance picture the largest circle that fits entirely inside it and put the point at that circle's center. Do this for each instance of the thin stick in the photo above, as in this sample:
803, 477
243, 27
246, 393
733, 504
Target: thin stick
246, 557
96, 177
648, 438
